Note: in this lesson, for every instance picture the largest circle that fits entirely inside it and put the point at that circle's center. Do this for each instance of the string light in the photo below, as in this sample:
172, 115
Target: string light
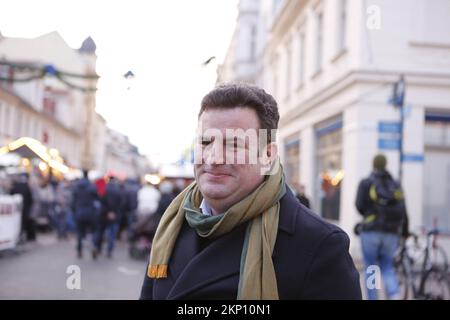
39, 72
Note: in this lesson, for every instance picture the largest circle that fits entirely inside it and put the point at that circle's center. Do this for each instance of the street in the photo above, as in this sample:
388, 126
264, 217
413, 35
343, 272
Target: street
38, 271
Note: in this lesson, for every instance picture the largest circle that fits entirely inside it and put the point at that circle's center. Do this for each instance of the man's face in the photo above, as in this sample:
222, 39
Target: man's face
226, 169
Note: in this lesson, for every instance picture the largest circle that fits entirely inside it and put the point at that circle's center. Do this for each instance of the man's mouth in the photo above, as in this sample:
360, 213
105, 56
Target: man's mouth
216, 174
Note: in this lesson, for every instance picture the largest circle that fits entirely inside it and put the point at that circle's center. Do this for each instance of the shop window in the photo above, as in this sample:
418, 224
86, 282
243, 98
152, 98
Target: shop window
292, 161
329, 168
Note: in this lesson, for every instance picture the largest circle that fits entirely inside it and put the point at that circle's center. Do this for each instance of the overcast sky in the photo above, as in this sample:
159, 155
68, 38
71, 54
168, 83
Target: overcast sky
162, 42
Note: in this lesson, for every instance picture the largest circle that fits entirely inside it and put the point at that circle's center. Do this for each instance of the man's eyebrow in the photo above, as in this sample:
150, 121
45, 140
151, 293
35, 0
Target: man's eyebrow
205, 138
236, 140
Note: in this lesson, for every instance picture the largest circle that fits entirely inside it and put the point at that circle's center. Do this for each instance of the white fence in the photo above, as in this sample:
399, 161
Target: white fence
10, 220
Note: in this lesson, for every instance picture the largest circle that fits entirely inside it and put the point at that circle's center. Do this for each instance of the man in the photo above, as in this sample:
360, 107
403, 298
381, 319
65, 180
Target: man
63, 200
380, 201
132, 189
236, 233
85, 207
301, 196
113, 203
21, 186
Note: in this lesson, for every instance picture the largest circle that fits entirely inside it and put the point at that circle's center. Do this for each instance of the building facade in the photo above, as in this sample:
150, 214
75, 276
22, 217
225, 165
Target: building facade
240, 63
331, 65
60, 112
121, 158
45, 108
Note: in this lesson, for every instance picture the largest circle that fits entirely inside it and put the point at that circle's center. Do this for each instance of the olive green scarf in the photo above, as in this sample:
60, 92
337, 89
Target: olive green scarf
257, 275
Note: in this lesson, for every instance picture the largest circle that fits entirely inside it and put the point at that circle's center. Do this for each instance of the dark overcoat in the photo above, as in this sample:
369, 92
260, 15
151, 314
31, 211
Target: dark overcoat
310, 257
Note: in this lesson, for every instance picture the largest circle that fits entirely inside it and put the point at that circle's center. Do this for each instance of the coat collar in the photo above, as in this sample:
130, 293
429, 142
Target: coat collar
288, 212
190, 268
193, 270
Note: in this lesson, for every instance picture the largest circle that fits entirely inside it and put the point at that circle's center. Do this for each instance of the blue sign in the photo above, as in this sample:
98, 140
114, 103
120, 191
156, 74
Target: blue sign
388, 127
413, 158
388, 144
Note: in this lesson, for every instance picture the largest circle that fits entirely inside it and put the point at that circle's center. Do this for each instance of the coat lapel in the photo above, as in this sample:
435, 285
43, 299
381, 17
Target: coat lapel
192, 269
218, 261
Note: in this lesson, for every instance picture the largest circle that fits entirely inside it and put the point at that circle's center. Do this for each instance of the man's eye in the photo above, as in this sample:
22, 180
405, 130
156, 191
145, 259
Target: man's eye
232, 147
205, 142
236, 145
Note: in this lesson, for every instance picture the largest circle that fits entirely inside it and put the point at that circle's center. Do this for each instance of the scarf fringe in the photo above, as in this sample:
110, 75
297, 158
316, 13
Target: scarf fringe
157, 271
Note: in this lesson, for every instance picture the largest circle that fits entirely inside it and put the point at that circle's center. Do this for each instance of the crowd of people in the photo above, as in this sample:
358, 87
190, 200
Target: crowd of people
101, 211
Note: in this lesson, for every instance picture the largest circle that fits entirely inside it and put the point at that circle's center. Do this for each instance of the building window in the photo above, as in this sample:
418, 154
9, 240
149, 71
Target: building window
329, 168
18, 124
6, 72
253, 36
25, 126
301, 59
34, 128
275, 78
342, 28
49, 102
288, 69
7, 121
276, 5
292, 161
319, 42
2, 126
437, 130
436, 170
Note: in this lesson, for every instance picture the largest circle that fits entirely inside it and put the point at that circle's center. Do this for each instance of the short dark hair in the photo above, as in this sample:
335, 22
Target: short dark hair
379, 162
234, 95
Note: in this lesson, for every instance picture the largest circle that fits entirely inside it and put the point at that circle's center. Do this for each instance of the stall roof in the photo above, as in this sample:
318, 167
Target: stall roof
31, 148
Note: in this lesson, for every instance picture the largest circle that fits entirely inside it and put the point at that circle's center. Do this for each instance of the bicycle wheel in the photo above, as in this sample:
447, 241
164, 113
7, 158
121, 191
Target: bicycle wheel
438, 258
402, 277
403, 285
436, 285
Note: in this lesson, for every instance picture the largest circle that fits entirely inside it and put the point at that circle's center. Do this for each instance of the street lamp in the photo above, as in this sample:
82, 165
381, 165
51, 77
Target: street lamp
129, 76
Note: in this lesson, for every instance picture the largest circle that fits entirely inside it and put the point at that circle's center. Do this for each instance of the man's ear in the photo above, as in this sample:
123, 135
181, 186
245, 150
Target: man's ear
272, 151
269, 154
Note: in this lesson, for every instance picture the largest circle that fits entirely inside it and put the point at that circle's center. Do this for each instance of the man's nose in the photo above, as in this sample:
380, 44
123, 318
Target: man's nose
214, 154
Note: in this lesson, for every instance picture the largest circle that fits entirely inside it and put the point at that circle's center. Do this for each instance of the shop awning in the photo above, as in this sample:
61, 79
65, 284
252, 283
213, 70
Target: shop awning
30, 148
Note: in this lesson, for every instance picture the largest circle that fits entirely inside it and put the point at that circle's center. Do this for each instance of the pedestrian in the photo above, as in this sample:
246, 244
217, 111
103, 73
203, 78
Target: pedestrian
168, 193
85, 206
46, 199
148, 199
381, 202
124, 209
132, 188
22, 187
301, 196
236, 233
112, 205
149, 223
63, 199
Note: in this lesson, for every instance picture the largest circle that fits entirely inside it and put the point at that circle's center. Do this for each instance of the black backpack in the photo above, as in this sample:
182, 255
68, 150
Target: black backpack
387, 196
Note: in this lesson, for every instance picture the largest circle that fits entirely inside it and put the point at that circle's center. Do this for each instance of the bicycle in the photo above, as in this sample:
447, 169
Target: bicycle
423, 273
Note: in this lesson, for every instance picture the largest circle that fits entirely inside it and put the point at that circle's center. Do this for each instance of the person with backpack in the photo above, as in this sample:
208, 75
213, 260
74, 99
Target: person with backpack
381, 202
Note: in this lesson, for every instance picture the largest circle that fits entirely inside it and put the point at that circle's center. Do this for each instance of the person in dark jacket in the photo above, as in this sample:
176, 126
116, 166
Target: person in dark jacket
114, 201
301, 196
238, 232
380, 234
21, 186
167, 195
85, 204
132, 189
